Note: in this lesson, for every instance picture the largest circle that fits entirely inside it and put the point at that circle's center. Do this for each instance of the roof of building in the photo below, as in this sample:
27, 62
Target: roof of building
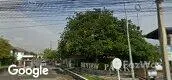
18, 49
155, 33
22, 50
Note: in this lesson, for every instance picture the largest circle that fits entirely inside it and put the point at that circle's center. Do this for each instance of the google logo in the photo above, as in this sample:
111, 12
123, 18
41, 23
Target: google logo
12, 69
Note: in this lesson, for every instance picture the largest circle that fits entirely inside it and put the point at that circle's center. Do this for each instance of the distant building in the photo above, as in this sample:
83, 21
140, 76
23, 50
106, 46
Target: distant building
23, 57
155, 35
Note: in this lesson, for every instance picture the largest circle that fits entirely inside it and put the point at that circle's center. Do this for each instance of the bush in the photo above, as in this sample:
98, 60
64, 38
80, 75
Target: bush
101, 66
7, 61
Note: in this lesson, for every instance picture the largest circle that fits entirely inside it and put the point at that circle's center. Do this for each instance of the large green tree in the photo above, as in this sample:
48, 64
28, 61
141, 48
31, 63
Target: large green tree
94, 33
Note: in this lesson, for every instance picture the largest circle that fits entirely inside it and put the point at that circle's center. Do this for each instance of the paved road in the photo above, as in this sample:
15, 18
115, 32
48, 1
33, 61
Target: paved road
53, 75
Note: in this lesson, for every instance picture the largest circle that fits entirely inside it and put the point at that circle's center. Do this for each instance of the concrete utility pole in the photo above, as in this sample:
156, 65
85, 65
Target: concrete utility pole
129, 45
163, 40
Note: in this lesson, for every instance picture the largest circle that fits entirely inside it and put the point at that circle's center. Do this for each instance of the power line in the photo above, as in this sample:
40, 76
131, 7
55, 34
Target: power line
30, 21
48, 25
52, 12
67, 11
40, 5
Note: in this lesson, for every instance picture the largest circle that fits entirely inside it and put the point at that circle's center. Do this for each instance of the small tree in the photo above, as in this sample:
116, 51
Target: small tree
50, 54
5, 48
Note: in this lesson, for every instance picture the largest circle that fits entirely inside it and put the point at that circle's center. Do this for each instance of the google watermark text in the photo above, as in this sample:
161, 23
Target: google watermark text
35, 72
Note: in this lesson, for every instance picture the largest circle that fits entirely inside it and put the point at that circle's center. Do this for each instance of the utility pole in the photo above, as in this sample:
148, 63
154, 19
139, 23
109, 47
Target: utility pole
129, 45
163, 40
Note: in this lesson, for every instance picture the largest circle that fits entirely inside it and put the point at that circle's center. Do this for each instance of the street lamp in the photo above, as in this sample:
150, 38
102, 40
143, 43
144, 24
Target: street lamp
129, 45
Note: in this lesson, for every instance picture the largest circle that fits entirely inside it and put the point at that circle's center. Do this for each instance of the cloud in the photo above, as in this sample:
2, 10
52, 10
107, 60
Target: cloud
31, 38
38, 31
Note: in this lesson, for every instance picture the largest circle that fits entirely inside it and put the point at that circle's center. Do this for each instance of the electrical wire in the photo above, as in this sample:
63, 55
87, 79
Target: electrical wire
48, 25
52, 9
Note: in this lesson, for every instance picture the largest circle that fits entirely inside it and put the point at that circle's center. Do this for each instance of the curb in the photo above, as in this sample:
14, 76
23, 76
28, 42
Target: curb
75, 75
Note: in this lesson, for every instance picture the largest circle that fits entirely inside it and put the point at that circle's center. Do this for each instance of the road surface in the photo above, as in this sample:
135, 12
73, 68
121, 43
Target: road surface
52, 75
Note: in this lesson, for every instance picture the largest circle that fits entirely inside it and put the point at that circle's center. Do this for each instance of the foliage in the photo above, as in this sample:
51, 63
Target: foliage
50, 54
5, 48
95, 33
5, 55
7, 61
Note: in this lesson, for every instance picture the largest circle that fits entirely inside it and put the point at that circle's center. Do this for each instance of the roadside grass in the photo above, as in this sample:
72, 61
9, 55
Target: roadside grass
92, 77
4, 66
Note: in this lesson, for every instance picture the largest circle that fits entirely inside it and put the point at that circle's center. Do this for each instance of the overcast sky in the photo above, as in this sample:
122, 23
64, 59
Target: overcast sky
35, 27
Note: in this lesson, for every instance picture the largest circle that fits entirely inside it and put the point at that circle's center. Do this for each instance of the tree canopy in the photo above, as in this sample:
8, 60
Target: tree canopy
98, 32
6, 57
5, 48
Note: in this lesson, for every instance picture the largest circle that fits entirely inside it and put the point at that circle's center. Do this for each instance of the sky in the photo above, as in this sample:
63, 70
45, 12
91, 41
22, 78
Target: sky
37, 24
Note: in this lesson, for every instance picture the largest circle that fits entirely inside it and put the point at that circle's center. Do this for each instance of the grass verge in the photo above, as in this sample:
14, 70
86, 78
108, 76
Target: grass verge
92, 77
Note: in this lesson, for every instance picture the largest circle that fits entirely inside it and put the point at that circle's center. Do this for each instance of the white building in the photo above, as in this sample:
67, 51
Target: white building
23, 57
